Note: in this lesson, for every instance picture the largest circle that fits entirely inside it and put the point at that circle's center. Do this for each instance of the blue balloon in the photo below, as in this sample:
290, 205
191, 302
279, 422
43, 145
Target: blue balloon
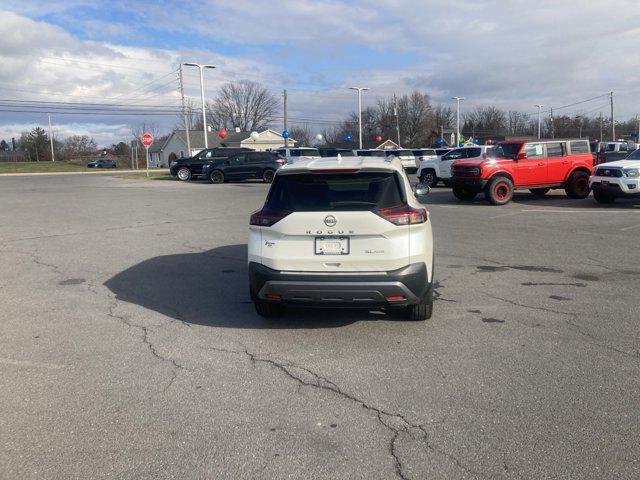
475, 140
461, 144
440, 141
347, 138
285, 134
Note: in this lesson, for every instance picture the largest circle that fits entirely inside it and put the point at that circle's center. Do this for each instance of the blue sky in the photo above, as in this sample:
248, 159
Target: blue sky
512, 54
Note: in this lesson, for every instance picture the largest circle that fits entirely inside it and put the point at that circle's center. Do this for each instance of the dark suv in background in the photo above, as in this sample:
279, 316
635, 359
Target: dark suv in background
191, 167
244, 166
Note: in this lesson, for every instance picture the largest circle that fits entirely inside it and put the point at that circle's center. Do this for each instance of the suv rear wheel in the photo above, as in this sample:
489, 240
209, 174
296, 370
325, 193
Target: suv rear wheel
603, 197
499, 191
463, 193
578, 185
429, 177
422, 310
184, 174
216, 176
268, 309
268, 175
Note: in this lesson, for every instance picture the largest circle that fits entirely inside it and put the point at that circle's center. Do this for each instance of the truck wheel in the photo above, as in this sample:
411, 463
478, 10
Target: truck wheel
463, 193
184, 174
216, 176
540, 191
429, 177
499, 191
603, 197
268, 309
578, 185
268, 175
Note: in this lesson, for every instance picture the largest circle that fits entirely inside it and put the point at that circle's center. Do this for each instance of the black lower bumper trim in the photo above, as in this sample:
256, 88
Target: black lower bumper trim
613, 189
473, 184
408, 285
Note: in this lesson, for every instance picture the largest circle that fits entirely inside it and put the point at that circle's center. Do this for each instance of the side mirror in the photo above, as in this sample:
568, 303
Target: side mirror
421, 190
522, 156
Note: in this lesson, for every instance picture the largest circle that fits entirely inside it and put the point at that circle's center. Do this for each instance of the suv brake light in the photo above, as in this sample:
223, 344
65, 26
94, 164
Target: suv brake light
281, 161
403, 215
266, 217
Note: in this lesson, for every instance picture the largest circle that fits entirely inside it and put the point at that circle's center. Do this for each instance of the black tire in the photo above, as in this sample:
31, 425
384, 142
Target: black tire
464, 194
268, 309
429, 177
184, 174
603, 197
422, 310
267, 176
216, 176
499, 191
578, 185
539, 192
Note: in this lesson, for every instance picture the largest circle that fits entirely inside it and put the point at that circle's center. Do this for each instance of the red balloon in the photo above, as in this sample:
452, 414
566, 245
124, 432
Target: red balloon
378, 138
222, 133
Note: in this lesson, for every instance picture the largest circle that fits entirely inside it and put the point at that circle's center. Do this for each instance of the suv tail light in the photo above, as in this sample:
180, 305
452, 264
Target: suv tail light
404, 215
267, 217
281, 161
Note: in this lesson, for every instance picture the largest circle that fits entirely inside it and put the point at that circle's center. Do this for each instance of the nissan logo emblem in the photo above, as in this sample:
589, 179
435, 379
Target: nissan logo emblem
330, 221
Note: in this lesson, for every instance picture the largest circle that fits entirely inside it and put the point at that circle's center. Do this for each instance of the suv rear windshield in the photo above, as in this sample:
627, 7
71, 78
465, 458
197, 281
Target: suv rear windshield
505, 150
318, 192
371, 153
307, 152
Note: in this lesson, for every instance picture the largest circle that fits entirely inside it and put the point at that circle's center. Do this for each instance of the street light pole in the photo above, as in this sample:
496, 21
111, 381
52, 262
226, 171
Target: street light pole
539, 113
360, 90
457, 99
204, 113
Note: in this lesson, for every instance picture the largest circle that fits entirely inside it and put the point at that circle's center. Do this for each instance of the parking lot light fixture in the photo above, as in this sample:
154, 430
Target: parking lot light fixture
539, 114
457, 99
360, 90
204, 113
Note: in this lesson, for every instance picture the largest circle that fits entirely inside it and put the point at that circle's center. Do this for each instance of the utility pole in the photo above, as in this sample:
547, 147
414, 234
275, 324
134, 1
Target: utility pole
457, 99
184, 114
135, 142
539, 120
131, 145
553, 130
53, 157
613, 123
442, 133
204, 112
395, 112
285, 116
360, 90
601, 123
638, 120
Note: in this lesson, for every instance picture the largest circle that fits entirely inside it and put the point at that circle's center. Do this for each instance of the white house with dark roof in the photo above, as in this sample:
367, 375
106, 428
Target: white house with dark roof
161, 153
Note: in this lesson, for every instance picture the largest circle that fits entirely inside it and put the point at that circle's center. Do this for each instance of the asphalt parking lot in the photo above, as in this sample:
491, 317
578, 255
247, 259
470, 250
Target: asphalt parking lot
130, 348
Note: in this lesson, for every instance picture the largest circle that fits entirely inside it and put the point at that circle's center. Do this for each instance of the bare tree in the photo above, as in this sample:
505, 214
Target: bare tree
488, 120
519, 122
194, 116
246, 105
77, 146
302, 135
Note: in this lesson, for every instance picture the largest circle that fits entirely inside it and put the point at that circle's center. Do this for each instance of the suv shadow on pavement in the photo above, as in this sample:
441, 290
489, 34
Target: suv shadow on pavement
212, 288
527, 199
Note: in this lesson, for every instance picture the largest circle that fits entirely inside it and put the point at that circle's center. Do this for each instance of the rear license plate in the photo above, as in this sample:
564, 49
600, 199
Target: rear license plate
604, 183
332, 245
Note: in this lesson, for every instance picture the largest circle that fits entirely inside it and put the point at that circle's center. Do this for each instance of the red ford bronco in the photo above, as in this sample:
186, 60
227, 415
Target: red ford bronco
538, 166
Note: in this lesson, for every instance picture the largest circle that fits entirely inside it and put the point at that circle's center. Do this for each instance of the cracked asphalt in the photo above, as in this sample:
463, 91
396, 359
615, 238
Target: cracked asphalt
130, 349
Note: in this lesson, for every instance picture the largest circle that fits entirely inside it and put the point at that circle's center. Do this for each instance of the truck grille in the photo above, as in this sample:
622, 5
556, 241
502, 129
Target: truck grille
609, 172
463, 171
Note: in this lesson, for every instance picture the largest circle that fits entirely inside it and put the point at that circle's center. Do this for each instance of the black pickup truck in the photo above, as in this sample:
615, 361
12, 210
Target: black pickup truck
191, 167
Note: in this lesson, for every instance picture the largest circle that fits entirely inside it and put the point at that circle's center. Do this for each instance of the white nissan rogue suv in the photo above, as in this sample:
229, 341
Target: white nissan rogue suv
342, 232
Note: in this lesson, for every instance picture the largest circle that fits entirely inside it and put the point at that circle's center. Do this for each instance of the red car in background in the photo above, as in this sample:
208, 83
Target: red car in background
535, 165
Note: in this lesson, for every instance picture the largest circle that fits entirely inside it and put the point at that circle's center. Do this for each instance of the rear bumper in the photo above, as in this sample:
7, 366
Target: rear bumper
473, 184
359, 290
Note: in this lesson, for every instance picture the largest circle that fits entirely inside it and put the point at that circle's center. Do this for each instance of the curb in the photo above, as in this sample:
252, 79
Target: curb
100, 172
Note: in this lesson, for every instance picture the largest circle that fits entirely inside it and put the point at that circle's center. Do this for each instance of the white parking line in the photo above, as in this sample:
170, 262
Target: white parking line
626, 229
27, 363
507, 214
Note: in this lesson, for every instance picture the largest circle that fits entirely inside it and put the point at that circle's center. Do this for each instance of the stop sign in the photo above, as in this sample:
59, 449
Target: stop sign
146, 139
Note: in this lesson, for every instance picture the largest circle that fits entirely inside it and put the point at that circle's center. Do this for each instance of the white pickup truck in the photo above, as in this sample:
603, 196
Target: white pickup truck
619, 179
438, 169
